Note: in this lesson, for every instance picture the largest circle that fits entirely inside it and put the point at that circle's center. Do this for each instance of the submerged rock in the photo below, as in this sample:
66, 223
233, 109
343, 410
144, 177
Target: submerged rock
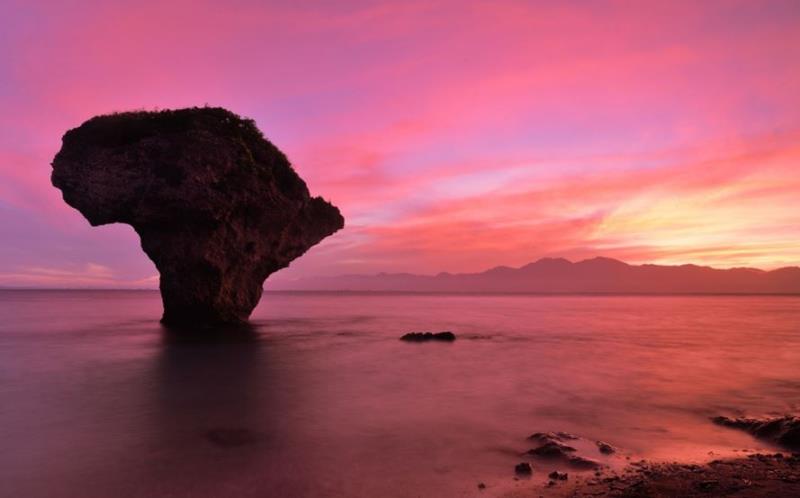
558, 476
784, 431
218, 208
429, 336
523, 468
605, 448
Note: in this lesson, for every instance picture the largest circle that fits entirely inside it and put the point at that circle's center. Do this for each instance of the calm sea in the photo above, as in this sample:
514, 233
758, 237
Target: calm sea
96, 400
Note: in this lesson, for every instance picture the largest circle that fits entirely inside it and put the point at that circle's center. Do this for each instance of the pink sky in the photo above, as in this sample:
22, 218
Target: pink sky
455, 136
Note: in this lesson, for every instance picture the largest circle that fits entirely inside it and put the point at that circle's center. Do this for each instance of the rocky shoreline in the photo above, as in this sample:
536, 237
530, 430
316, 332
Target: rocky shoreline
756, 476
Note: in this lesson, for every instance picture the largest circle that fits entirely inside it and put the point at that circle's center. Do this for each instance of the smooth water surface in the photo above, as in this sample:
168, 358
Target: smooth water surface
97, 400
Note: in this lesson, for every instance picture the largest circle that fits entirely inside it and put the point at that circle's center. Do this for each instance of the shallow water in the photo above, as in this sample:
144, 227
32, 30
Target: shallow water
97, 400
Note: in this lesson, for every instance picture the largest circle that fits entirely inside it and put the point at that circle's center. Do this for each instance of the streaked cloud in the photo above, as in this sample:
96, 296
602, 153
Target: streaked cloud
455, 136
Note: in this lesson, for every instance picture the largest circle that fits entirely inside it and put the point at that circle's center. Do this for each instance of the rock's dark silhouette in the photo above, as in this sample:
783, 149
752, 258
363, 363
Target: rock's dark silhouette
784, 431
429, 336
218, 207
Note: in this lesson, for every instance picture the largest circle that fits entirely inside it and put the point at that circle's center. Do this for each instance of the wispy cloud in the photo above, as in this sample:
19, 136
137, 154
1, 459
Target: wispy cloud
454, 135
90, 275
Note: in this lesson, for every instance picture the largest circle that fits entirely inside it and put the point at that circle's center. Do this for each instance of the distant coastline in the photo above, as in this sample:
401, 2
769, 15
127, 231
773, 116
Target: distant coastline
544, 277
558, 276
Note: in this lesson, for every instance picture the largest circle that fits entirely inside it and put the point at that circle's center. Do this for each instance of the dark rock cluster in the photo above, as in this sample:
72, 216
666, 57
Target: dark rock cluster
218, 207
756, 476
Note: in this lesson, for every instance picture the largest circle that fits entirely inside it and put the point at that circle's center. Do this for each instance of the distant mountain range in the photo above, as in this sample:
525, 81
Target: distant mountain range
560, 276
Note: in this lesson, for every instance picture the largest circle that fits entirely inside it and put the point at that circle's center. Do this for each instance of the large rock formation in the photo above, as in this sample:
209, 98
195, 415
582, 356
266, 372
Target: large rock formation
217, 206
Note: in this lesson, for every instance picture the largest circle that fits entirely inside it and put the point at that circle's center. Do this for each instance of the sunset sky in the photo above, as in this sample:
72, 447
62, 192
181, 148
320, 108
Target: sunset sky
454, 136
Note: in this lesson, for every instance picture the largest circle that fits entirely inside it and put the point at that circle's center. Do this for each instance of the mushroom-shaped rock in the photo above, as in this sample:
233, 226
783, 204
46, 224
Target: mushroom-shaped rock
218, 207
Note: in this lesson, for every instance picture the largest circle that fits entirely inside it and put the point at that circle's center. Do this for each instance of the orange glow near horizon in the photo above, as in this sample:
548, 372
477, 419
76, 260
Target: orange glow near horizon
454, 137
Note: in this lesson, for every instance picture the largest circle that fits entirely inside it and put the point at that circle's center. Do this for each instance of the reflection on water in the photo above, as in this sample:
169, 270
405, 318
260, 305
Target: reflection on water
321, 399
208, 395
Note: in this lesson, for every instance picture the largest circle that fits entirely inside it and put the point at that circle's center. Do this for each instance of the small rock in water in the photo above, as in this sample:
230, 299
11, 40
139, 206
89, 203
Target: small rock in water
558, 476
446, 336
605, 448
523, 468
481, 485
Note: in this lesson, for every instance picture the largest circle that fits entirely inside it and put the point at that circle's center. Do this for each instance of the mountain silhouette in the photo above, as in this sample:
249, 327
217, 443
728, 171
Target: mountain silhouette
561, 276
